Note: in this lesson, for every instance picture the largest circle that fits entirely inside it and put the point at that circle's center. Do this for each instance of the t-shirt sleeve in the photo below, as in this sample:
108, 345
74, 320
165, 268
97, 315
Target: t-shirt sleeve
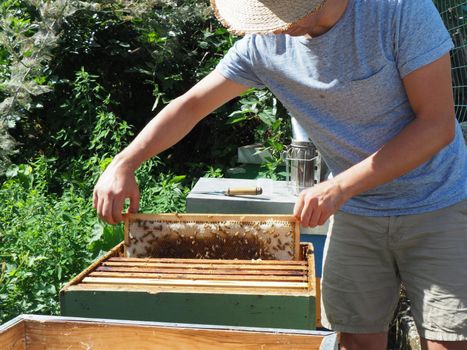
239, 64
421, 37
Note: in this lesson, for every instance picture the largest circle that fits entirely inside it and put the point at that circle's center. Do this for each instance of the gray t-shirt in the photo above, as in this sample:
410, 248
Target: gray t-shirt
345, 88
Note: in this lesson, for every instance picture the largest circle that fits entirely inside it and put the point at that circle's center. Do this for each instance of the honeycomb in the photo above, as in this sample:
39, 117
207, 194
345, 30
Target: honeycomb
230, 239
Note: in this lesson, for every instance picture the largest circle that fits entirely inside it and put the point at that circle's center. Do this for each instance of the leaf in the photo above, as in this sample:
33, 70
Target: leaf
12, 171
59, 272
34, 259
97, 232
266, 118
156, 102
177, 179
104, 163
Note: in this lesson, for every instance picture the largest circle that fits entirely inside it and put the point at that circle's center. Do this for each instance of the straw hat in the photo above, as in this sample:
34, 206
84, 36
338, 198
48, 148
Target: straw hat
262, 16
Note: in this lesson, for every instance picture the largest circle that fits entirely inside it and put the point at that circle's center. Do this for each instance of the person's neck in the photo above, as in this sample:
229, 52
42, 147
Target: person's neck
327, 17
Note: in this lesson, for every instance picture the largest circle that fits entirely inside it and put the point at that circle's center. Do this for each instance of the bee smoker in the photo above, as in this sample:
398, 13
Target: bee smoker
303, 165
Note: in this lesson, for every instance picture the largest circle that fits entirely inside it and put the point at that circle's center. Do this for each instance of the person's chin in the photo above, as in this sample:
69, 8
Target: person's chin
296, 32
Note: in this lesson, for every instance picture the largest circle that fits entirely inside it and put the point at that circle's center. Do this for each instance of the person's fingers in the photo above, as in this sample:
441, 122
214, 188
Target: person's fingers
298, 207
323, 218
107, 208
117, 208
100, 205
94, 199
134, 202
315, 217
307, 212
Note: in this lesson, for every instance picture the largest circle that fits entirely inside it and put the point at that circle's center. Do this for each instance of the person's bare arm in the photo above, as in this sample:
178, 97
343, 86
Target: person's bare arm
175, 121
429, 90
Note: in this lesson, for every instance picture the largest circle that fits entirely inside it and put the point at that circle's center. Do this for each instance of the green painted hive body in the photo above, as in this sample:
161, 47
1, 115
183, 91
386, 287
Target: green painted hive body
268, 311
249, 293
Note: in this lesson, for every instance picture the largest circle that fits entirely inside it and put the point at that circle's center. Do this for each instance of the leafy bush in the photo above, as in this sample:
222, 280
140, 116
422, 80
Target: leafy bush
143, 54
78, 79
44, 241
272, 130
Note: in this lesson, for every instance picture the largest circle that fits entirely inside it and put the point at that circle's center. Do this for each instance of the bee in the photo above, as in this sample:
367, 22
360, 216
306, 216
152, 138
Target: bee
148, 233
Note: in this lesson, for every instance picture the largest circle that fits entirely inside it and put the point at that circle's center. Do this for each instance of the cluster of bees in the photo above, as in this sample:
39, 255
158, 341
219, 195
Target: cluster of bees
267, 240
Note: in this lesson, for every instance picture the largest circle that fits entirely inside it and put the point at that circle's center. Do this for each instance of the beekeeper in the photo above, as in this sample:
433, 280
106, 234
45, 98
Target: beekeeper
370, 82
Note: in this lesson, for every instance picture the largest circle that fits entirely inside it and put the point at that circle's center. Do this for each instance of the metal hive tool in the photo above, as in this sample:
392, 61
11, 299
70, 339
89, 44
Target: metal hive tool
200, 236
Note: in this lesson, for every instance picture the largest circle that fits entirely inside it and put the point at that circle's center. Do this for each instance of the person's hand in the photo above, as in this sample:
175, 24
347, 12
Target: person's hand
116, 183
316, 204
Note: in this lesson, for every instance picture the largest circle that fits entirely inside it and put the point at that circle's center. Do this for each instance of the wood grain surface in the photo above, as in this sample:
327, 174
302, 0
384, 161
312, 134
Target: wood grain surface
13, 337
72, 335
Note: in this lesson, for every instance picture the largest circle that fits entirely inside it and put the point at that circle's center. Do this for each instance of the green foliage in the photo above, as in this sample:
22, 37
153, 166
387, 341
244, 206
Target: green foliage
213, 172
166, 195
43, 241
42, 251
271, 129
78, 79
142, 53
29, 33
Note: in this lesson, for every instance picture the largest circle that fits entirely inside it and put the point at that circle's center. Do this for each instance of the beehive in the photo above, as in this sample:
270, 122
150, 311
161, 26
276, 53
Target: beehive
236, 292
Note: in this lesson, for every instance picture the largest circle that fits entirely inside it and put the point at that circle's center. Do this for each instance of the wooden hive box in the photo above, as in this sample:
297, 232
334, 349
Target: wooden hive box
234, 292
30, 332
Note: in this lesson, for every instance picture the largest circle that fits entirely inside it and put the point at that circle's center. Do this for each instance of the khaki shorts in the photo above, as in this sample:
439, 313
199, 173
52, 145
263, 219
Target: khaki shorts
366, 258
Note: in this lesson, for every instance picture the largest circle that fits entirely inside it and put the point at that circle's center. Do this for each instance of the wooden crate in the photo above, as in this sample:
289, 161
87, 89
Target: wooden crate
259, 293
29, 332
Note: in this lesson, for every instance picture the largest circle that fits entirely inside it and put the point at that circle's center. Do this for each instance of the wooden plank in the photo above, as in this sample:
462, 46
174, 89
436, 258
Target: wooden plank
297, 241
206, 265
211, 261
318, 303
126, 226
200, 271
210, 217
153, 289
199, 276
309, 255
97, 336
204, 283
13, 336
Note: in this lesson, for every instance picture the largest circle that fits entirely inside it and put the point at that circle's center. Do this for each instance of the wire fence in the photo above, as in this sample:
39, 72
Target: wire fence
454, 14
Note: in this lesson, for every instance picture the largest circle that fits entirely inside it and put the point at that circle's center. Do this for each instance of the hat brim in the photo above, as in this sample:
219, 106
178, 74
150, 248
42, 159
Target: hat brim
262, 16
